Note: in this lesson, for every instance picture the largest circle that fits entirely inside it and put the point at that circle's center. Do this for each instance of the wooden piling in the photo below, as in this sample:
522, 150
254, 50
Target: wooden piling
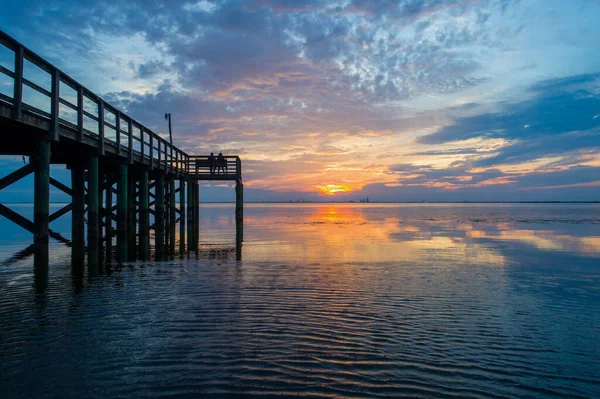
196, 210
167, 186
131, 217
159, 218
239, 199
190, 221
239, 237
41, 208
108, 230
78, 215
122, 208
144, 217
93, 231
182, 213
172, 215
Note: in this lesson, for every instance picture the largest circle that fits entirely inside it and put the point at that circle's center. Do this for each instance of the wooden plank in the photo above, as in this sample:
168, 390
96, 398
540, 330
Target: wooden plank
61, 186
91, 116
7, 71
37, 88
16, 176
65, 209
59, 237
17, 218
68, 104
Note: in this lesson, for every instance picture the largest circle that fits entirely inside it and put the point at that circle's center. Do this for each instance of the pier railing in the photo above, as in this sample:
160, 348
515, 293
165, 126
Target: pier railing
228, 168
43, 91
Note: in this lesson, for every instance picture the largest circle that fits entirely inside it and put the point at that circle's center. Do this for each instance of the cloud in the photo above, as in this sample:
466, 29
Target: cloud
560, 118
559, 106
418, 93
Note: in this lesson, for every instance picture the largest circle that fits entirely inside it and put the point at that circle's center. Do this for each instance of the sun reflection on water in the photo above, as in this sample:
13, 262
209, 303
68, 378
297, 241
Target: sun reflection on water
390, 233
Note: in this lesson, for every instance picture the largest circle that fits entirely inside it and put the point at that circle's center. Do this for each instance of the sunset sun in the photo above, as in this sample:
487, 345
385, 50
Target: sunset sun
332, 189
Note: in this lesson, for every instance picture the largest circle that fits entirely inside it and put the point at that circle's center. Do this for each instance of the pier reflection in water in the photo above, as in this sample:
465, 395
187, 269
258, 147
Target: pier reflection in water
328, 300
60, 251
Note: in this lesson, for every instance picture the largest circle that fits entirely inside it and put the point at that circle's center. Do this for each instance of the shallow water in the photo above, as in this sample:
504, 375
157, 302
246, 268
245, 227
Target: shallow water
327, 300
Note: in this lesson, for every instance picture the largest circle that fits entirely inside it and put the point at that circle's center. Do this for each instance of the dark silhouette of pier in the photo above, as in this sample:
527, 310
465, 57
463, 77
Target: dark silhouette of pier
53, 119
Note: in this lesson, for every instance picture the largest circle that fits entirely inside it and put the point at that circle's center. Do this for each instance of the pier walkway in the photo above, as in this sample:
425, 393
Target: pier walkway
53, 119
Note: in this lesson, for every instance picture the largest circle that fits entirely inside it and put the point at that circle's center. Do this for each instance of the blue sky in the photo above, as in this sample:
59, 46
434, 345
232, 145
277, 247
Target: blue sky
402, 100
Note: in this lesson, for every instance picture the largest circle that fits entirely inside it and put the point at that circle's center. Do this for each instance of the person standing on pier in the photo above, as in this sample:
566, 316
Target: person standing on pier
221, 163
211, 163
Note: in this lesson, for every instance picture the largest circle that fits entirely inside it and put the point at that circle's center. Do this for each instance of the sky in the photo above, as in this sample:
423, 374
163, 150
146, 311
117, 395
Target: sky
407, 100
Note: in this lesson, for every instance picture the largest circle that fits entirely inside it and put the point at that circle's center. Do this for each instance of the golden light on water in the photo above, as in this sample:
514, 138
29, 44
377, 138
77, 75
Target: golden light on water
332, 189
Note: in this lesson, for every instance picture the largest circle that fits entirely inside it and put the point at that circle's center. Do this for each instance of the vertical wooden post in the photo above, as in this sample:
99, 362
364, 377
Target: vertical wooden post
93, 190
77, 219
182, 213
144, 217
41, 212
167, 213
195, 212
239, 199
108, 215
54, 105
41, 205
131, 217
18, 84
172, 215
101, 126
159, 218
118, 131
239, 237
80, 113
122, 214
190, 215
101, 178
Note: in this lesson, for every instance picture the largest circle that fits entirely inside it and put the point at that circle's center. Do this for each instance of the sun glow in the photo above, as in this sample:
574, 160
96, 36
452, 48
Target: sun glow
332, 189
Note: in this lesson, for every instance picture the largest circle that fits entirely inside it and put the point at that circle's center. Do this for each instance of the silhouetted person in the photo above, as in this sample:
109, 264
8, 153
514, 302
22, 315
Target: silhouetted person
221, 163
211, 163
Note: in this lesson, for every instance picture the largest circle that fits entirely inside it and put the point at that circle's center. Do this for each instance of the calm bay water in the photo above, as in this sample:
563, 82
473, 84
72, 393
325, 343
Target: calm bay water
482, 301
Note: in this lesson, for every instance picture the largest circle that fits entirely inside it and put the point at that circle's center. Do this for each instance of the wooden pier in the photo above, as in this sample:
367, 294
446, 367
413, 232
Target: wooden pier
53, 119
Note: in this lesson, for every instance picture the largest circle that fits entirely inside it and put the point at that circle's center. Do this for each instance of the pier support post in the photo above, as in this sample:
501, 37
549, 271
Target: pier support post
122, 208
167, 186
131, 217
159, 219
93, 228
196, 214
101, 180
78, 216
239, 237
239, 199
144, 217
172, 216
108, 216
41, 211
182, 213
190, 214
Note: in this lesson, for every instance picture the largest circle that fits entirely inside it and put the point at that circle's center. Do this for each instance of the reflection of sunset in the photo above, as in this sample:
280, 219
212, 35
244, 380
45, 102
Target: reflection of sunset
399, 233
332, 189
392, 233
